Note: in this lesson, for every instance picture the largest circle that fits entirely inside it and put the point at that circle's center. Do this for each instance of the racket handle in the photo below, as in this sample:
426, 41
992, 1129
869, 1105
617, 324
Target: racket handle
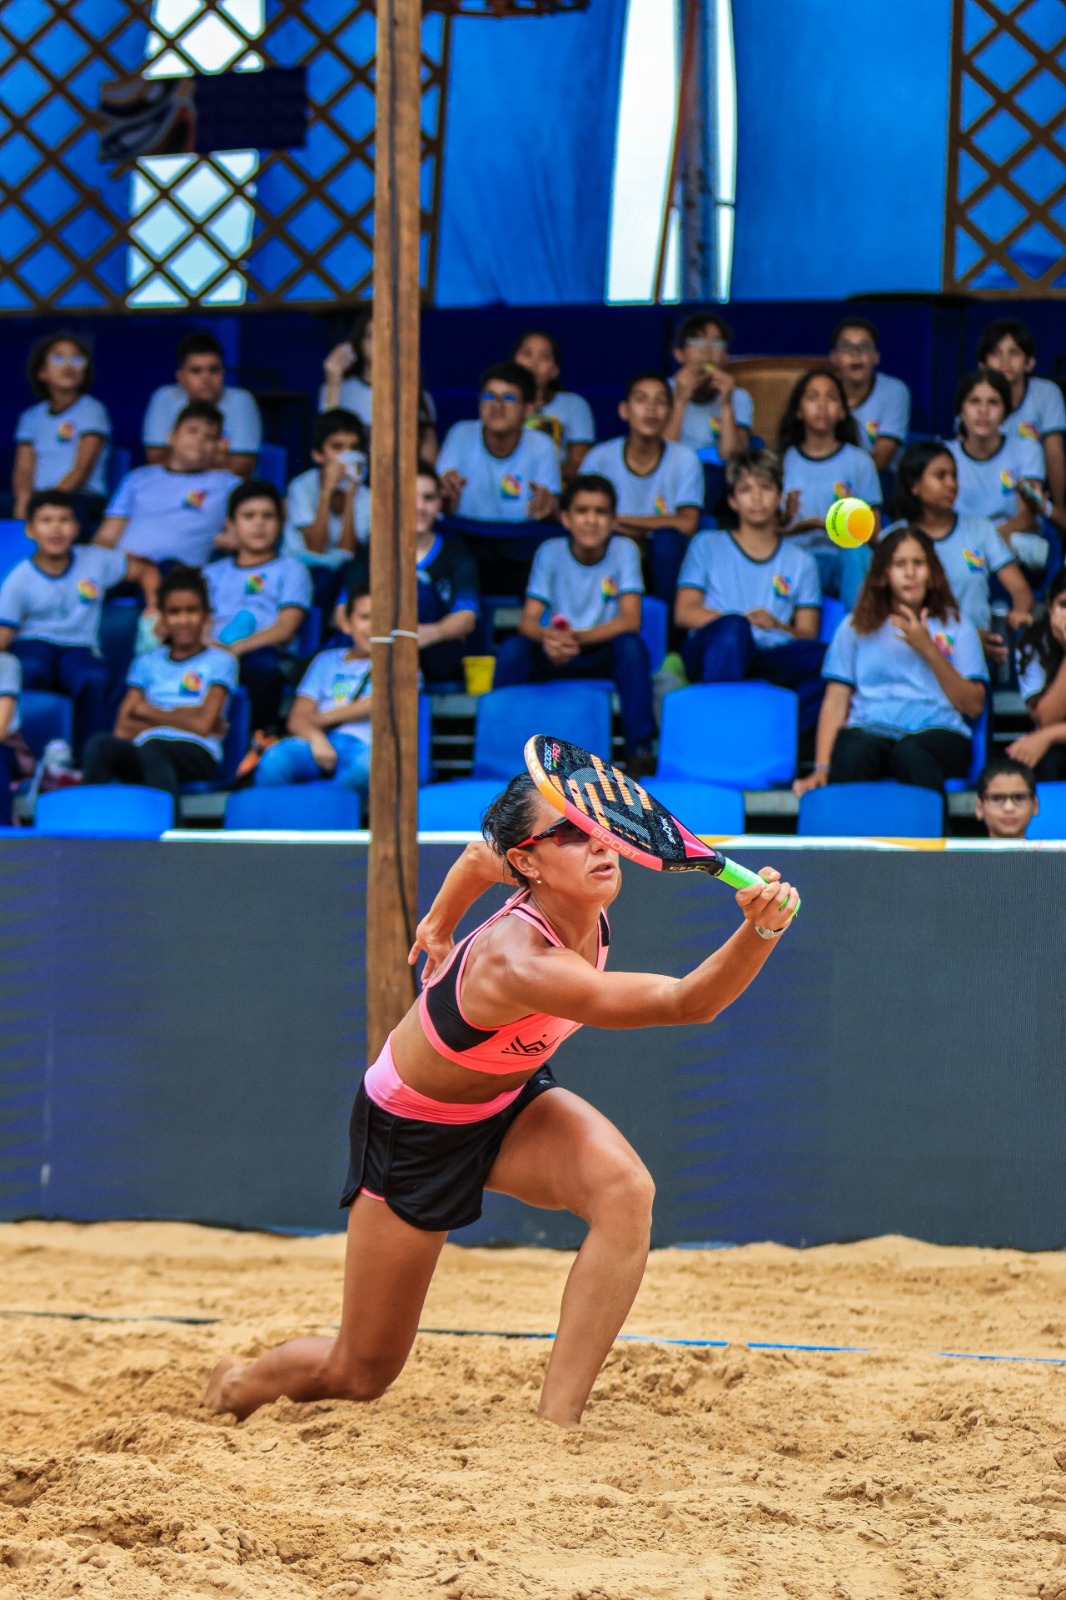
739, 877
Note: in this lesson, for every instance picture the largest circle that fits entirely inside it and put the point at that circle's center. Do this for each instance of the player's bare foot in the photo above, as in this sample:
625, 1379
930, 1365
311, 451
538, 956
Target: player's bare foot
214, 1398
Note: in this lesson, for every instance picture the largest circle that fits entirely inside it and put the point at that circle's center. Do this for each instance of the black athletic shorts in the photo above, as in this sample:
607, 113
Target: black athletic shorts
432, 1174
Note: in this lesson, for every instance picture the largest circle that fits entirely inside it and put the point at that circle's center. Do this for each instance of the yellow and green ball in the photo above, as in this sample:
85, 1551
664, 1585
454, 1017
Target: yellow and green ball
849, 523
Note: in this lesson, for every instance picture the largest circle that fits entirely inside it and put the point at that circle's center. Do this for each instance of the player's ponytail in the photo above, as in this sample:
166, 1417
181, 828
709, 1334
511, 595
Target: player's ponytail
511, 818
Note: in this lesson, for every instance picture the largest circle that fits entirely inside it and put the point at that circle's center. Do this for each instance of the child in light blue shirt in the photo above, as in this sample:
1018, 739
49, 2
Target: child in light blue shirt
201, 377
259, 599
497, 469
1042, 681
582, 613
174, 512
1037, 410
905, 675
328, 507
1001, 475
10, 687
710, 413
563, 415
881, 406
329, 724
750, 599
170, 725
63, 441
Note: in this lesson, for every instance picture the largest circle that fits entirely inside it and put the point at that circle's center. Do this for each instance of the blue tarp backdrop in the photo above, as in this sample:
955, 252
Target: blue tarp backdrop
842, 130
529, 153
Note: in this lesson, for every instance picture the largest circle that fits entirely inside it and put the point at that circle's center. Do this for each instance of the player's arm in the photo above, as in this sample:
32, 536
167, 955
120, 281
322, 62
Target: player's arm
561, 983
627, 621
477, 869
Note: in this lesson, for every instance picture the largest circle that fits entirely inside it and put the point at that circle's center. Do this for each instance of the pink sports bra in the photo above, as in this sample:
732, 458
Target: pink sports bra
525, 1043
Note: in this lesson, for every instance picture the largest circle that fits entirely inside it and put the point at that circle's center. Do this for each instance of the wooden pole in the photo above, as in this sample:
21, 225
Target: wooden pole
393, 876
685, 85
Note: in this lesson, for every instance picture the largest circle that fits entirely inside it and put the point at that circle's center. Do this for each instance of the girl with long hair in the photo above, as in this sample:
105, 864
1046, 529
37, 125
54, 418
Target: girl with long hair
349, 376
822, 462
904, 673
558, 412
63, 441
1001, 475
1042, 680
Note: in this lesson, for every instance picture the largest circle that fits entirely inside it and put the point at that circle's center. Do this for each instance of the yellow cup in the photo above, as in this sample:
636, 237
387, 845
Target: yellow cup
479, 672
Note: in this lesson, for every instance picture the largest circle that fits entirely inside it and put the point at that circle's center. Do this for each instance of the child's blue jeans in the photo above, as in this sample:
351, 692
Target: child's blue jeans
292, 761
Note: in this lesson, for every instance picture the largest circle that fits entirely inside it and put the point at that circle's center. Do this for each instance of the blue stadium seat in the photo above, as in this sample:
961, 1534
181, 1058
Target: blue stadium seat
833, 613
702, 807
980, 728
742, 735
296, 807
44, 716
1050, 820
106, 810
309, 638
118, 634
273, 466
234, 746
578, 712
654, 622
14, 545
875, 810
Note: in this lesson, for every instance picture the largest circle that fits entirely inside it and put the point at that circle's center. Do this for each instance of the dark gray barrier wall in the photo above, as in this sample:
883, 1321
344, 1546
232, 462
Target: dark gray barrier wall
182, 1028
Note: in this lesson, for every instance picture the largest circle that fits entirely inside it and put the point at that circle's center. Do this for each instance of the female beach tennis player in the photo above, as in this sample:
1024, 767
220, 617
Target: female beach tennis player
462, 1099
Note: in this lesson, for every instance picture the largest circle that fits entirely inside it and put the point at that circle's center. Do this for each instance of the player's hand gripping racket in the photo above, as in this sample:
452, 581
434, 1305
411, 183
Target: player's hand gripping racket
605, 803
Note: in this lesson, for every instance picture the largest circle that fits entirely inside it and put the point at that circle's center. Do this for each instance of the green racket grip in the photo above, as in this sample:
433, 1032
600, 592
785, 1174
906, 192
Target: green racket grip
739, 877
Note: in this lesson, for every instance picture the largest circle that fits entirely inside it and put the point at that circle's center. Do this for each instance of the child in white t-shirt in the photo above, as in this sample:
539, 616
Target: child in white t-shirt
710, 414
171, 723
328, 507
329, 724
63, 441
558, 412
582, 614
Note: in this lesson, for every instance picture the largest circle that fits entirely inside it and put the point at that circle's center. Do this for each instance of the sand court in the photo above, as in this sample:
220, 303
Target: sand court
702, 1471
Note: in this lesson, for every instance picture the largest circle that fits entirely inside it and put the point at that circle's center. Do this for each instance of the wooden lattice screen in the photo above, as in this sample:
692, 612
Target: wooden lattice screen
1005, 224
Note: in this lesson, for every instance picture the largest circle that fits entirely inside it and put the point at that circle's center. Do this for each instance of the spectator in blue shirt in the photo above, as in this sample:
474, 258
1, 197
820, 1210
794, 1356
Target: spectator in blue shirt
10, 686
558, 412
258, 598
349, 374
497, 469
62, 442
881, 406
328, 507
1001, 474
971, 549
171, 723
659, 483
329, 724
1042, 682
51, 606
582, 614
822, 462
750, 599
1038, 412
201, 377
710, 414
448, 591
174, 512
904, 673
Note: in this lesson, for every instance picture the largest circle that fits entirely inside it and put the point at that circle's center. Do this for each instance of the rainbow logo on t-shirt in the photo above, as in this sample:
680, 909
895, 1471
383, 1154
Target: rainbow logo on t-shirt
88, 590
973, 559
609, 588
1029, 430
340, 691
661, 507
254, 583
716, 428
192, 682
195, 499
510, 486
66, 431
945, 643
872, 429
1007, 480
782, 586
842, 488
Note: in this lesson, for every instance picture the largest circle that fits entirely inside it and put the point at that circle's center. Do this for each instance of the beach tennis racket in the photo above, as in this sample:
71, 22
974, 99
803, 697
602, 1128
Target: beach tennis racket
622, 814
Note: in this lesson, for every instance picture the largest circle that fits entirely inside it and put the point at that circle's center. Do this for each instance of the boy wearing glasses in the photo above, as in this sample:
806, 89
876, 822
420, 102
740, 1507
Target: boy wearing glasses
710, 414
1006, 798
201, 376
497, 469
880, 405
63, 441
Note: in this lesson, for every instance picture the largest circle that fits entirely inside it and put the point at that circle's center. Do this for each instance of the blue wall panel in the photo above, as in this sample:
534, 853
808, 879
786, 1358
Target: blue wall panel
842, 125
